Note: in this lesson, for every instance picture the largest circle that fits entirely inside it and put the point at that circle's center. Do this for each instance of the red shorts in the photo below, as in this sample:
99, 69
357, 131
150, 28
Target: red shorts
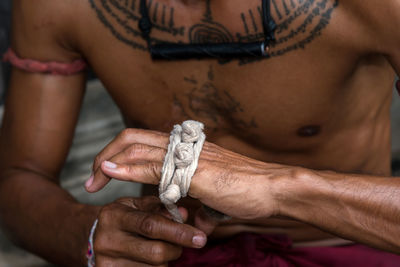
253, 250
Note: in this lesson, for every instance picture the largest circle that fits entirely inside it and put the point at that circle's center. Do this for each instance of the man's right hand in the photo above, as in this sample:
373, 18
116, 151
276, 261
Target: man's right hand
138, 232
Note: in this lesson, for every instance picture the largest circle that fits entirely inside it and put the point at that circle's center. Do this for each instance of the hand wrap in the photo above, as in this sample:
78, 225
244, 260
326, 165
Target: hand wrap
180, 164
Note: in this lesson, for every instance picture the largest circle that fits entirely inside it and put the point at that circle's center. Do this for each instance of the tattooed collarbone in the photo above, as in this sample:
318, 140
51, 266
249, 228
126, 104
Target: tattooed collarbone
299, 22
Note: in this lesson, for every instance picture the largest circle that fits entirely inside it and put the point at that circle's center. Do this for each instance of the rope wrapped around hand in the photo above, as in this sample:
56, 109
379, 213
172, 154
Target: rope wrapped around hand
180, 164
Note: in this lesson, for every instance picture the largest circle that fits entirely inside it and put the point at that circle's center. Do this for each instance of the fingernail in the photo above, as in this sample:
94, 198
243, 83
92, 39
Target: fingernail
110, 165
89, 182
199, 241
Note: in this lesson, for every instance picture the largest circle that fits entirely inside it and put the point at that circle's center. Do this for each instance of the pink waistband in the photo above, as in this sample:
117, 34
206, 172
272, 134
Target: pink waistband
253, 250
52, 67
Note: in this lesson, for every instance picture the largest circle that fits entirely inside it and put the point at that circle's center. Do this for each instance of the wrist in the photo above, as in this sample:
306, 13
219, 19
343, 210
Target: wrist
91, 214
291, 193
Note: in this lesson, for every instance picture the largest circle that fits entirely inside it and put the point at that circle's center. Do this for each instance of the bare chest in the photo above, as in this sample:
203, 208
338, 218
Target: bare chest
309, 89
276, 105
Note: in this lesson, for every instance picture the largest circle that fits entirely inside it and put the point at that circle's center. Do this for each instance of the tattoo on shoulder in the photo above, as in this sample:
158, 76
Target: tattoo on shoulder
299, 22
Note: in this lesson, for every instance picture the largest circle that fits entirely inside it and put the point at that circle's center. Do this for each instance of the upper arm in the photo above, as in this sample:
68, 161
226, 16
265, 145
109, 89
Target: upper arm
392, 34
379, 25
383, 21
41, 110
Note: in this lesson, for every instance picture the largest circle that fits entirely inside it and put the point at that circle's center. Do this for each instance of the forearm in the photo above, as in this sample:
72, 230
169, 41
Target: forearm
360, 208
365, 209
43, 218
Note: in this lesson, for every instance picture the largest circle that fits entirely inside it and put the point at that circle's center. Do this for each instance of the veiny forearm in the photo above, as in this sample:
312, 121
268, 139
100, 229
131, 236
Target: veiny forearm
44, 219
361, 208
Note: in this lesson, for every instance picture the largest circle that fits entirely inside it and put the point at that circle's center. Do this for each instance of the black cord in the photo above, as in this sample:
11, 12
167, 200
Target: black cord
268, 22
210, 50
145, 24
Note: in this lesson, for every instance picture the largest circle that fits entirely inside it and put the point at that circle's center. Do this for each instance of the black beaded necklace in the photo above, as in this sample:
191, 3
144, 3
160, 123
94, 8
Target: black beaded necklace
232, 50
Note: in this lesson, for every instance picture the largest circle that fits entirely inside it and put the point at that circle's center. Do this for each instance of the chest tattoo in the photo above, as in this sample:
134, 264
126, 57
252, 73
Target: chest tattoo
299, 23
205, 100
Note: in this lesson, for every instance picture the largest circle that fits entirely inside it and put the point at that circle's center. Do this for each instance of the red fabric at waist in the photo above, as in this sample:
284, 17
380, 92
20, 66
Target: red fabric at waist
251, 250
35, 66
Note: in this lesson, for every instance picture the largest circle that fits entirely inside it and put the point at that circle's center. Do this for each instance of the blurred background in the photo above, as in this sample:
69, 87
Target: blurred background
99, 122
5, 17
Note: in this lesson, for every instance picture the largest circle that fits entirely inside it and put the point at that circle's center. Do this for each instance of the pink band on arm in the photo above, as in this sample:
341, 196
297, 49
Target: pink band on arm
52, 67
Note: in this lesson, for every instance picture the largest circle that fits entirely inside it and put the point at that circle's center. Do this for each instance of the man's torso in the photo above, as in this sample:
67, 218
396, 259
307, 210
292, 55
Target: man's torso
320, 101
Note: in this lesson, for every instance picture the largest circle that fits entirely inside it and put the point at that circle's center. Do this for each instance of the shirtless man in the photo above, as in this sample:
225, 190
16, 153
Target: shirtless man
320, 102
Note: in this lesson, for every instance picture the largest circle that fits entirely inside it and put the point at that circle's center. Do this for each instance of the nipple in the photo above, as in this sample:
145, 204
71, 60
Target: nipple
309, 131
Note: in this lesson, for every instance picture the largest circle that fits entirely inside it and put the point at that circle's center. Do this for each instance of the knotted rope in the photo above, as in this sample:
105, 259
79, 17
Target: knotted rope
180, 164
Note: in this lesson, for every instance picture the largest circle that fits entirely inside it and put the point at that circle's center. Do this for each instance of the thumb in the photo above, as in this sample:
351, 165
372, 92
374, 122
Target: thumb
97, 181
183, 211
204, 221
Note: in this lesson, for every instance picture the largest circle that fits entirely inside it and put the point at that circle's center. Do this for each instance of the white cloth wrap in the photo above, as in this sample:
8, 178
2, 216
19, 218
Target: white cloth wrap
180, 164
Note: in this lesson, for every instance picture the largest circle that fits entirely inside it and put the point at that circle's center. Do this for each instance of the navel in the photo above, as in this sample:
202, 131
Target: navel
309, 131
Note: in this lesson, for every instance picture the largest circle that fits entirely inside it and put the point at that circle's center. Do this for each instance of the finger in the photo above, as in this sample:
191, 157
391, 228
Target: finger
152, 204
205, 222
112, 262
158, 227
135, 153
148, 173
147, 203
128, 137
120, 143
139, 153
183, 211
105, 261
137, 249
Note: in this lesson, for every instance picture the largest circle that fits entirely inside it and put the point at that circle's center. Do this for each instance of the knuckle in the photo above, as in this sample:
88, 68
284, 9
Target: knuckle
106, 215
130, 170
153, 169
126, 134
148, 226
158, 254
97, 161
180, 235
135, 150
130, 152
100, 243
127, 201
131, 206
140, 147
137, 249
151, 199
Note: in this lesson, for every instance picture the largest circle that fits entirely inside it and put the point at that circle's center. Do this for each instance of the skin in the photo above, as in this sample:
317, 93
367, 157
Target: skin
252, 189
319, 104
